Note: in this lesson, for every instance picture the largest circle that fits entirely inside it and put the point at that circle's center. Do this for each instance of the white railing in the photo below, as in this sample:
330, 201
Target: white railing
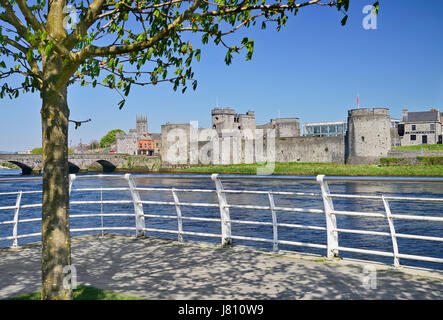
331, 229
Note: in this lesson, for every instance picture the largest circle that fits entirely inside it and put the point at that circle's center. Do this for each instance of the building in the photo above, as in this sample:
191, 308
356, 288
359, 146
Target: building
325, 129
339, 128
138, 141
423, 127
145, 147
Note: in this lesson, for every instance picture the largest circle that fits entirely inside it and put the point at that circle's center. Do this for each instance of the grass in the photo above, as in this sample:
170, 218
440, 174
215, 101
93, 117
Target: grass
329, 169
83, 293
426, 147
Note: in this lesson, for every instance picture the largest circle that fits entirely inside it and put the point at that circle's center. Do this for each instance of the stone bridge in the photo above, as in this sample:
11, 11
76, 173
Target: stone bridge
33, 164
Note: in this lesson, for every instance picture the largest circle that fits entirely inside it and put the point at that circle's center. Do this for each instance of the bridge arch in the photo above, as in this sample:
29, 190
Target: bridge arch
73, 168
26, 170
106, 165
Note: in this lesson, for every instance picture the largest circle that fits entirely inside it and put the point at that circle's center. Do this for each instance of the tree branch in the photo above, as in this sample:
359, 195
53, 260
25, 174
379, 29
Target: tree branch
30, 18
93, 12
94, 51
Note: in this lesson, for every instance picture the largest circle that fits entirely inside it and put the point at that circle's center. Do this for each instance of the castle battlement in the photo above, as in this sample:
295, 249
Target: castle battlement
368, 112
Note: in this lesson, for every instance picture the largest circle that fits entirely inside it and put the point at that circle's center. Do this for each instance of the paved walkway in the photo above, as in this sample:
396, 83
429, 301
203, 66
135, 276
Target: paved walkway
165, 269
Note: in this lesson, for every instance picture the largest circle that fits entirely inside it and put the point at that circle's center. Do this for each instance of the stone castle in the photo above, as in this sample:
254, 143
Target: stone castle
235, 138
366, 136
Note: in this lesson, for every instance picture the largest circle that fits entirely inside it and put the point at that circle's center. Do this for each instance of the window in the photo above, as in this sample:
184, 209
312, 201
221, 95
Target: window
413, 137
432, 126
309, 131
414, 128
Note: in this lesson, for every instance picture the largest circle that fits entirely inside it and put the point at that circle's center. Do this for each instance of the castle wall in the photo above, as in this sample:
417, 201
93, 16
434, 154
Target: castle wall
287, 128
367, 140
175, 142
310, 149
284, 127
126, 144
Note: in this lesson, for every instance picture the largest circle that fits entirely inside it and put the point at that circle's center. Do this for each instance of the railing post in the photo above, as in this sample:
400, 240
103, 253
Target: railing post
331, 221
392, 230
138, 208
16, 212
72, 177
274, 222
224, 211
179, 216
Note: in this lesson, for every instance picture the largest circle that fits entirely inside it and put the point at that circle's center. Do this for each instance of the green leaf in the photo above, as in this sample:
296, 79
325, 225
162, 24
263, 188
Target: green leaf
343, 21
376, 6
228, 58
121, 104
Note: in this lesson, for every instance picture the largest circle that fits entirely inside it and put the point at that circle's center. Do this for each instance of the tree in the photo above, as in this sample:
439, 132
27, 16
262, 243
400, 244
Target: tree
37, 150
109, 138
94, 144
116, 44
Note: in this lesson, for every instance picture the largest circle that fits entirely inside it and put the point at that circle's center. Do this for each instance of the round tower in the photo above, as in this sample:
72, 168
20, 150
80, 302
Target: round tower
223, 118
369, 135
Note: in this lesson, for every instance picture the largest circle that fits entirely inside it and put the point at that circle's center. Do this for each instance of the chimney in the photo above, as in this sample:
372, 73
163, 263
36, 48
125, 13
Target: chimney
404, 115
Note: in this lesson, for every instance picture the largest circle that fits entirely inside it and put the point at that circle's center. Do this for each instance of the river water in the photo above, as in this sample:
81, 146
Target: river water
370, 242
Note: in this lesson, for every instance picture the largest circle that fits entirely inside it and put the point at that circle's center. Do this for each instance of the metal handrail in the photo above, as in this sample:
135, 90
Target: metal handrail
332, 247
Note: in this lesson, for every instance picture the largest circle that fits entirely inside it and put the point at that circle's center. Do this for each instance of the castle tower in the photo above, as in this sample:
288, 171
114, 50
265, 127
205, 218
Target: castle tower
223, 118
369, 135
142, 125
227, 118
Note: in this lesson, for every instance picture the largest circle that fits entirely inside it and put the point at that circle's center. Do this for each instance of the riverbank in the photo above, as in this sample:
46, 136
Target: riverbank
329, 169
8, 165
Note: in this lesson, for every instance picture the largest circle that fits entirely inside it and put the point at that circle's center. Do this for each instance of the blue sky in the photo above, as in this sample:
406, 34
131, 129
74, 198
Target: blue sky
312, 69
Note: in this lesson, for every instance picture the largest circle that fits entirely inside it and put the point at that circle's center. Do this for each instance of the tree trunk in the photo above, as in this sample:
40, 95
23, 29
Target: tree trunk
56, 245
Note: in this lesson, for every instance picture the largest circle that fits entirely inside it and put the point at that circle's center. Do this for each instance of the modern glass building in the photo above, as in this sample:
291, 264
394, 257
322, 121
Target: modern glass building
325, 129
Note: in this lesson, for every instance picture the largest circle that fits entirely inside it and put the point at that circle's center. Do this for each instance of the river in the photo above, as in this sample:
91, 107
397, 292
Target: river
371, 242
